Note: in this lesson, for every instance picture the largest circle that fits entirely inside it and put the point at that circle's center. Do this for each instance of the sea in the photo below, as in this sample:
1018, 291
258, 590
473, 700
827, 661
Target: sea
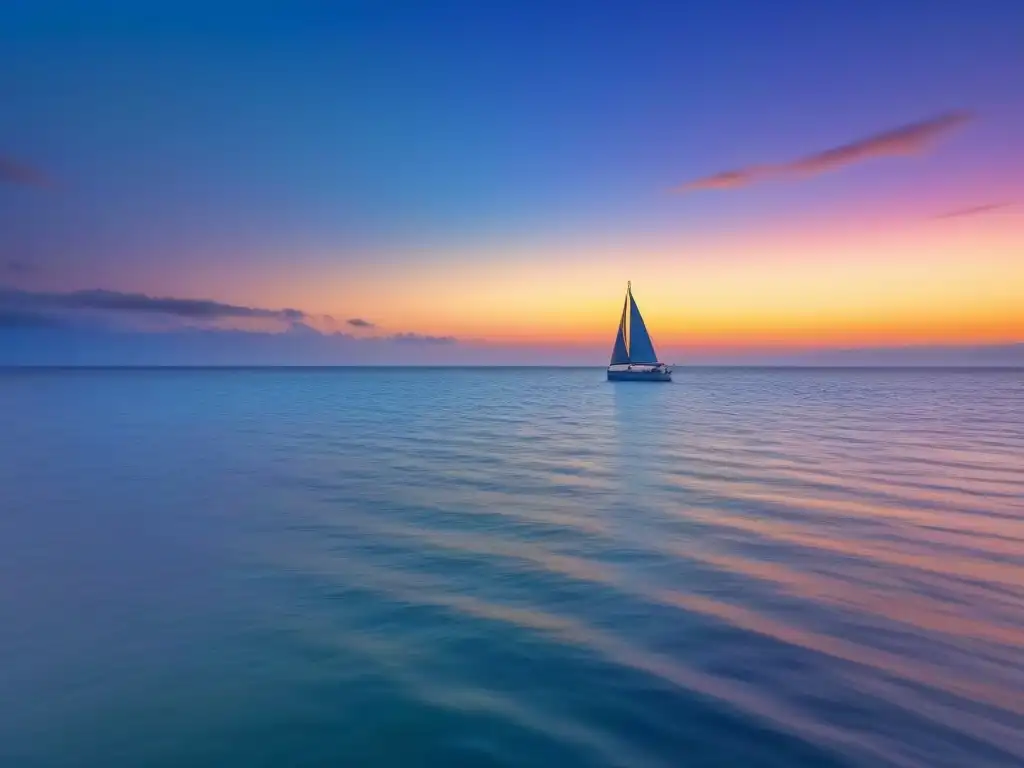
511, 567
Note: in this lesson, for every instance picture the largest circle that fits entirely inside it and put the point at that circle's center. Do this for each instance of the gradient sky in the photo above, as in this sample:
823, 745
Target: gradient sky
496, 171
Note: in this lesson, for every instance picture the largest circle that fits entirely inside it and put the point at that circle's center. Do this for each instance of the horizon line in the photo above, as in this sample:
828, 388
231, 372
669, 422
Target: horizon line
442, 366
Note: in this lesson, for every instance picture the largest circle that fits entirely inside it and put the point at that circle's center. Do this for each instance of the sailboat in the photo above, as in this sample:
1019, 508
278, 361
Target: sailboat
633, 356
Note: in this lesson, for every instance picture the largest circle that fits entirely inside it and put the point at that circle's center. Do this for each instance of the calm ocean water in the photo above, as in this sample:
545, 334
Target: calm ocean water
511, 567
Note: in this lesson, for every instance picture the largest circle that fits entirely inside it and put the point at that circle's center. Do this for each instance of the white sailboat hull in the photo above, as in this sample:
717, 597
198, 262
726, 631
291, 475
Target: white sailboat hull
639, 373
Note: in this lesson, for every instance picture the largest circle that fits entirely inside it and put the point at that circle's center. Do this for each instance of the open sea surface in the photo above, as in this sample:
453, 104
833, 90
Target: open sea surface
511, 567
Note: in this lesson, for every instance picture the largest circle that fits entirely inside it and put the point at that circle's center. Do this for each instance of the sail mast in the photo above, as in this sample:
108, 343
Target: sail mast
620, 352
627, 326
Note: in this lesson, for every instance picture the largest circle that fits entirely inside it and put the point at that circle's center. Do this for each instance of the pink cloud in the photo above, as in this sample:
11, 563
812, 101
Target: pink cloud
974, 210
17, 173
906, 140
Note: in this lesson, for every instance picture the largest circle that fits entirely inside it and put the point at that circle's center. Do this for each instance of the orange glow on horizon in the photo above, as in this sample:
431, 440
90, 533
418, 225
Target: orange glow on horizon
956, 282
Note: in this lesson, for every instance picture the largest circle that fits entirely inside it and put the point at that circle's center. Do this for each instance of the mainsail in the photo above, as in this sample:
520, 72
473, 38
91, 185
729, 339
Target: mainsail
633, 343
641, 348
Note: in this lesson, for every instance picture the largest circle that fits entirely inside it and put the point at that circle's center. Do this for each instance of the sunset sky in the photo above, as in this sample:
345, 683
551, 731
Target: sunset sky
486, 176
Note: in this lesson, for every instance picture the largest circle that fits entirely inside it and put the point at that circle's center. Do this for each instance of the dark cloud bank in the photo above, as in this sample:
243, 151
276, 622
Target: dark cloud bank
119, 302
96, 327
23, 341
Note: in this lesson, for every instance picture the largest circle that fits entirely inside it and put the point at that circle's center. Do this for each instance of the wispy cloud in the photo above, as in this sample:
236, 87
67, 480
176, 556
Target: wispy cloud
18, 173
418, 338
973, 210
358, 322
18, 268
117, 301
911, 139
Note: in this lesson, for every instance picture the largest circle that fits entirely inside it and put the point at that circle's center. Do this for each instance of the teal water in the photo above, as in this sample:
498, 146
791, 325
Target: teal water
511, 567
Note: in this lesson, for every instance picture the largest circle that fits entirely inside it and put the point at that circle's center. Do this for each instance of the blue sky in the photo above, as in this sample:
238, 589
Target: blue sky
228, 151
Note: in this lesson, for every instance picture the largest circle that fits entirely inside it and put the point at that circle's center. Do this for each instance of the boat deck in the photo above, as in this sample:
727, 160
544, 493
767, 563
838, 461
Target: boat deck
638, 373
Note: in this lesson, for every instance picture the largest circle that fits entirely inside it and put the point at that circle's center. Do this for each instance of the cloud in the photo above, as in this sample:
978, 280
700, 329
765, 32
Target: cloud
729, 179
18, 268
194, 309
31, 341
972, 211
911, 139
358, 322
17, 173
74, 314
418, 338
26, 319
303, 329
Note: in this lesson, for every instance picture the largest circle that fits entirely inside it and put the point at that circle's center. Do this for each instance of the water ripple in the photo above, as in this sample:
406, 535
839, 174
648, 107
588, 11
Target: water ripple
764, 568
